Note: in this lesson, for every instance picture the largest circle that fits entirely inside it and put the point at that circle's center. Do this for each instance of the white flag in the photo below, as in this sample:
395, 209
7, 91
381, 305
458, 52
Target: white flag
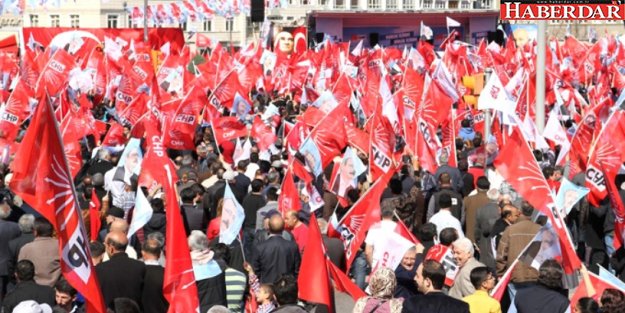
494, 96
391, 252
142, 213
242, 151
426, 31
358, 49
388, 105
452, 23
232, 216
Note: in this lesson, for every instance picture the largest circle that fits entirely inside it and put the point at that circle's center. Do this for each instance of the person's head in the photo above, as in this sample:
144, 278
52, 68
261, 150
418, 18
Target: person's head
222, 252
395, 185
444, 180
586, 305
448, 236
125, 305
24, 270
218, 309
276, 224
443, 159
388, 214
151, 249
521, 37
114, 213
465, 123
527, 209
115, 242
5, 208
347, 169
187, 195
26, 223
462, 250
285, 289
612, 301
265, 293
157, 204
444, 201
427, 232
383, 283
197, 241
548, 172
430, 276
482, 278
409, 259
291, 219
284, 42
510, 213
550, 274
272, 194
97, 252
493, 194
43, 228
257, 185
557, 173
65, 293
483, 184
119, 225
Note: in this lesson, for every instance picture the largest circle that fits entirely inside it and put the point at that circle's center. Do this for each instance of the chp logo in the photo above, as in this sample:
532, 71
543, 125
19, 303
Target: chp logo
562, 10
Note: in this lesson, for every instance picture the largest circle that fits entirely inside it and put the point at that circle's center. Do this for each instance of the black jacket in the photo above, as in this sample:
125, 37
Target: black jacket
212, 291
434, 302
251, 204
153, 299
157, 223
8, 232
193, 218
540, 299
121, 277
236, 254
274, 257
29, 290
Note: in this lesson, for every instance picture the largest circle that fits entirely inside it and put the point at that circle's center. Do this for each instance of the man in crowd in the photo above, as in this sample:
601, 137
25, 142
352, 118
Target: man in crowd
152, 295
456, 206
297, 228
44, 253
26, 224
252, 202
483, 281
473, 203
463, 255
66, 297
444, 218
276, 256
27, 288
8, 231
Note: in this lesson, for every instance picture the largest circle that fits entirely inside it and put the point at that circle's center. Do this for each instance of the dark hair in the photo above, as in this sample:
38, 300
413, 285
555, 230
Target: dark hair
477, 141
254, 157
538, 155
427, 232
221, 252
63, 286
550, 274
272, 194
187, 195
395, 185
152, 246
465, 123
25, 270
612, 301
463, 165
478, 276
588, 305
388, 213
97, 248
257, 185
353, 195
548, 171
459, 144
285, 289
447, 236
435, 272
43, 227
158, 206
444, 201
118, 246
444, 179
527, 209
125, 305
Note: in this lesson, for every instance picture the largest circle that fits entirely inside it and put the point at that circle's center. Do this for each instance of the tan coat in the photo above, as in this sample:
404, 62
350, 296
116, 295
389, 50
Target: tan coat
471, 205
44, 253
462, 286
513, 241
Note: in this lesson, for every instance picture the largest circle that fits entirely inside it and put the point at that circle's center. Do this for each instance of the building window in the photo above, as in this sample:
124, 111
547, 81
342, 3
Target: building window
467, 5
339, 4
34, 20
207, 26
354, 4
74, 20
374, 4
130, 25
230, 25
408, 4
111, 21
55, 21
439, 4
391, 4
427, 4
453, 4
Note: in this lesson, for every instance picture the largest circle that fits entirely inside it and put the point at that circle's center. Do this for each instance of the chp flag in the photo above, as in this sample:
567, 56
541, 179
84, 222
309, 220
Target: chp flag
445, 256
41, 177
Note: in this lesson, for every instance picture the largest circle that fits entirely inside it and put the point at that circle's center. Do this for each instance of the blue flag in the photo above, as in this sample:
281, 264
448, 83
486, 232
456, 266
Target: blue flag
232, 216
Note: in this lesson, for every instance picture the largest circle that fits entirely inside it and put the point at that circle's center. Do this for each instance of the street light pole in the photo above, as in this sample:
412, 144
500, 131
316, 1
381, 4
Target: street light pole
231, 22
145, 21
540, 75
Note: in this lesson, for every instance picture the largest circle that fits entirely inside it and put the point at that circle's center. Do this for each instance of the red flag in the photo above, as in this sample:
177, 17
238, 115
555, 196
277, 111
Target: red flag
343, 283
444, 255
579, 144
329, 135
617, 207
179, 282
55, 75
382, 146
262, 134
227, 128
502, 284
405, 232
289, 195
598, 284
94, 216
41, 177
115, 136
179, 129
313, 280
364, 213
427, 145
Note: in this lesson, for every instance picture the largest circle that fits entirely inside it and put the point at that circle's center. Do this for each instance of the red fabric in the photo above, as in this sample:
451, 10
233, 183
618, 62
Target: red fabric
300, 234
212, 231
289, 195
227, 128
476, 172
55, 75
94, 216
382, 146
227, 151
313, 280
41, 178
343, 283
598, 283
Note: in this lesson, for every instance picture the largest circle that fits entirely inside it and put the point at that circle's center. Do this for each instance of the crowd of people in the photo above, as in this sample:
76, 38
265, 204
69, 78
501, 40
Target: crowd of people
468, 229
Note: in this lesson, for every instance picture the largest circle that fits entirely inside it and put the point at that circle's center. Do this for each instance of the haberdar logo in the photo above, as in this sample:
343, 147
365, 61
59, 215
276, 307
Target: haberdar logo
562, 10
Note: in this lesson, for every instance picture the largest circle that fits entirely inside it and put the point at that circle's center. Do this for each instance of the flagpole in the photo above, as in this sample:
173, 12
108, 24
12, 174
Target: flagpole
540, 75
487, 117
145, 21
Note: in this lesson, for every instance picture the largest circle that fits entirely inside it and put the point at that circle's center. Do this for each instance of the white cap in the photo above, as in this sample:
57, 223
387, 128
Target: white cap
30, 306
